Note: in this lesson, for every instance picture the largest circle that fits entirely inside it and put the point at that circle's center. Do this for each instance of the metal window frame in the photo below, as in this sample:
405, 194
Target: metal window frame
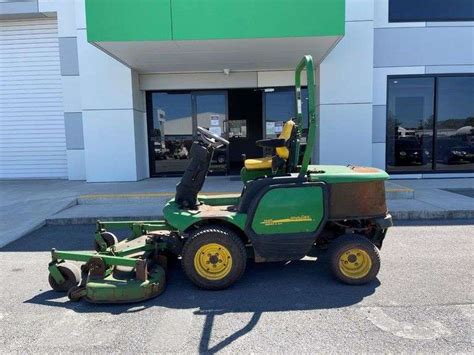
435, 121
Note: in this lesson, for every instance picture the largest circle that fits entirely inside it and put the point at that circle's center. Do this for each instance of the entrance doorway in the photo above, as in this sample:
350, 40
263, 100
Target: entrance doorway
245, 125
242, 116
173, 118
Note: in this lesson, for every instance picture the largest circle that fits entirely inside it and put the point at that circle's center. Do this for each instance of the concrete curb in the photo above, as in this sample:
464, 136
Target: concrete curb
397, 215
32, 224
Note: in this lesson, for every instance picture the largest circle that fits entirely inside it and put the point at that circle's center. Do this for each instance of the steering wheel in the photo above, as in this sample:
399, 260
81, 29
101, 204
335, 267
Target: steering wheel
211, 138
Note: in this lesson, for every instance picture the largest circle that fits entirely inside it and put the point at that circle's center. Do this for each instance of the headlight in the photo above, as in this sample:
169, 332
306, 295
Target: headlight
403, 154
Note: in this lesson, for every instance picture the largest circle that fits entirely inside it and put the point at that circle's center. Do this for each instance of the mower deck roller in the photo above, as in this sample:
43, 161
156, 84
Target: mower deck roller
287, 209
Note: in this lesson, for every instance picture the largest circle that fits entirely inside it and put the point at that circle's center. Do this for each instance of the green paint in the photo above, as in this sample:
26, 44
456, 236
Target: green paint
224, 19
111, 289
85, 257
164, 20
247, 175
220, 200
128, 20
334, 174
305, 63
289, 210
55, 273
183, 219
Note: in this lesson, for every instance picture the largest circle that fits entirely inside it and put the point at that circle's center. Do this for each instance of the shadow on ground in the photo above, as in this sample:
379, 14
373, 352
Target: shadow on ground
269, 287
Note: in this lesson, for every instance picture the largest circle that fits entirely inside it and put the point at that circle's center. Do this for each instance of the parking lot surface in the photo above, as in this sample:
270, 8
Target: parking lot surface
421, 302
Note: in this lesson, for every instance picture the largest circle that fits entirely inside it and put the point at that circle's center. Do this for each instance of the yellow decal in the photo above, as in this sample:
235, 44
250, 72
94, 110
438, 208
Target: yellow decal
276, 222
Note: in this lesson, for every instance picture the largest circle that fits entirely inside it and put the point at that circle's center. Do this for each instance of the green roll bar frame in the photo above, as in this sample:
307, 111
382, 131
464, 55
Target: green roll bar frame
305, 63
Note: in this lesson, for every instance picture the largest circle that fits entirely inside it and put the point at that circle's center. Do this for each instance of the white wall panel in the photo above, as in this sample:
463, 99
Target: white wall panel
105, 82
346, 73
141, 145
360, 10
76, 164
378, 155
32, 135
71, 93
109, 142
278, 78
346, 134
198, 81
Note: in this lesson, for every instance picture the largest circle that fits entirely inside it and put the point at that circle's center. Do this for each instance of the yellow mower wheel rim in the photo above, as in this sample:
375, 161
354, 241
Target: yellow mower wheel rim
355, 263
213, 261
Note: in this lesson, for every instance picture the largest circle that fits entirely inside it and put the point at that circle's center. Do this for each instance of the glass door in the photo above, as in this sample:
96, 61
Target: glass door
170, 132
279, 107
210, 112
173, 118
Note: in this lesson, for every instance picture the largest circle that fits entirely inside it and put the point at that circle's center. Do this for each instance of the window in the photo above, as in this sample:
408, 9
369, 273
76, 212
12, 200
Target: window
455, 123
430, 124
431, 10
280, 107
173, 118
410, 124
238, 129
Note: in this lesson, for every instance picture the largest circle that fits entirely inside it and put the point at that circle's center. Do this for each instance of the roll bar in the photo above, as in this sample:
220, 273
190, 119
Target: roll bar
305, 63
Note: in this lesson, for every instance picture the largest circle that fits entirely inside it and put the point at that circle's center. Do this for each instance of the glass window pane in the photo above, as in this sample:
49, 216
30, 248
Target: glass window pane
410, 124
238, 129
211, 112
172, 133
280, 107
211, 115
431, 10
455, 123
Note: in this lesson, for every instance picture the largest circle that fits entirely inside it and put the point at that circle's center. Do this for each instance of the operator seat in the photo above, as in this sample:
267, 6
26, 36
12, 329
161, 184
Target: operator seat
282, 145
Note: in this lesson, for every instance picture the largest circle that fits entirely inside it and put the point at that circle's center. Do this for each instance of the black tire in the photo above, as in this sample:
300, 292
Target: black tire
71, 274
365, 265
218, 235
109, 239
74, 293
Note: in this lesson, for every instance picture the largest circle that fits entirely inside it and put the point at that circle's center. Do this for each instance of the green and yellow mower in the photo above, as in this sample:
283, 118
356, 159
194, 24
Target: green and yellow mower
288, 209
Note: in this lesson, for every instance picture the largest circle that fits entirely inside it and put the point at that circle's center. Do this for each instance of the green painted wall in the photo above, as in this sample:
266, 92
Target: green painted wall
161, 20
128, 20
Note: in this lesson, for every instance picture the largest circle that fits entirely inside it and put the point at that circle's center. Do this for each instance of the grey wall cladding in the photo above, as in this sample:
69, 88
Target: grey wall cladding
68, 56
398, 47
379, 123
12, 7
74, 132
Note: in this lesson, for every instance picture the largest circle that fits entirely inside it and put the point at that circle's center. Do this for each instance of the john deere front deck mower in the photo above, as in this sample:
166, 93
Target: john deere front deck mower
287, 209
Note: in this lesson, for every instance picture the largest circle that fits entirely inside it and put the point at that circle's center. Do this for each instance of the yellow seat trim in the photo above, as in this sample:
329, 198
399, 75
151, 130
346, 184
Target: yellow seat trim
258, 163
282, 152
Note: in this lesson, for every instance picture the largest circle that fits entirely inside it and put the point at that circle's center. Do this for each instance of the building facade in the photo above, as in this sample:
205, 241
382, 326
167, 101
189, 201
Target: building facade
102, 90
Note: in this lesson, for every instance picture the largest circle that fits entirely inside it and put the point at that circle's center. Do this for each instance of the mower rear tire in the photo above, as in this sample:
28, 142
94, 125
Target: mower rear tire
354, 259
214, 258
71, 274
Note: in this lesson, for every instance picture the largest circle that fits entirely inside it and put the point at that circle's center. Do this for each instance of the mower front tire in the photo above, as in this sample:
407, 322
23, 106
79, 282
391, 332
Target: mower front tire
354, 259
71, 274
214, 257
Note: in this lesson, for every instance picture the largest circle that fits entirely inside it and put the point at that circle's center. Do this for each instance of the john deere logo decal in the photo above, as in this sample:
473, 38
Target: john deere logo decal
276, 222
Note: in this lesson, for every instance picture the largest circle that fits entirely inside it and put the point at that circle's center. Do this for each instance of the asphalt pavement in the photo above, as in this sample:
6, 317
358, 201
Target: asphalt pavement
421, 302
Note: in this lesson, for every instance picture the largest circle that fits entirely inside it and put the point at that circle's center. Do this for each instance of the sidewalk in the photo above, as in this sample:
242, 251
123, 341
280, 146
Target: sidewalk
28, 205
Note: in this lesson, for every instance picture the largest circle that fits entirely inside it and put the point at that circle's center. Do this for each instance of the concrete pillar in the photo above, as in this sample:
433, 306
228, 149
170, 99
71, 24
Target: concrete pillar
113, 114
345, 91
